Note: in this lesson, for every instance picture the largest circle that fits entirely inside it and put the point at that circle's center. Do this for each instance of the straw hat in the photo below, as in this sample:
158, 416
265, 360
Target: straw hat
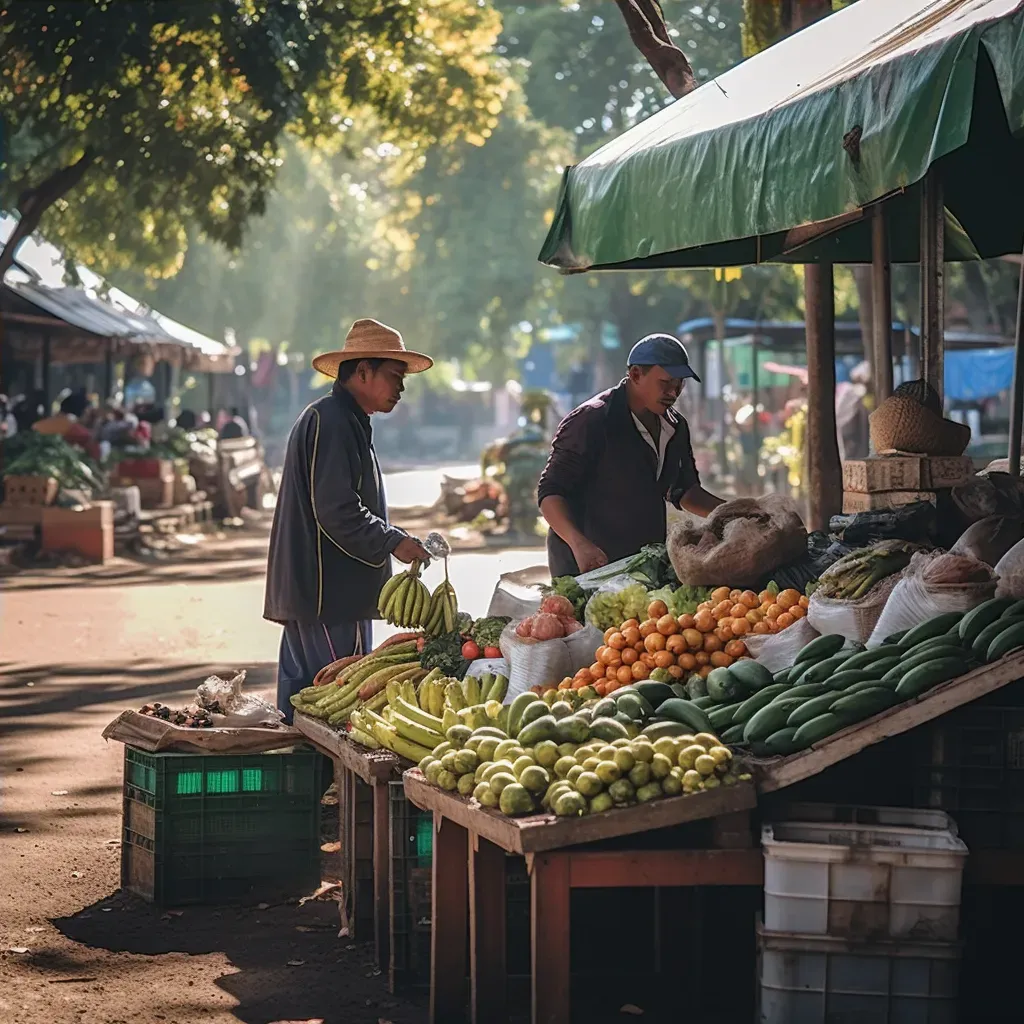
370, 339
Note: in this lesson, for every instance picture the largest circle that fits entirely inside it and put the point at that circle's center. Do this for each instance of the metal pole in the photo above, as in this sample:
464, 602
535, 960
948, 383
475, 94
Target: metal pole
881, 306
1017, 394
755, 387
932, 281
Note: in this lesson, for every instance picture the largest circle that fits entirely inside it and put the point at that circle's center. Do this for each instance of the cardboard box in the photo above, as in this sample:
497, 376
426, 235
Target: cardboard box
30, 490
88, 532
20, 515
905, 473
855, 502
153, 493
146, 469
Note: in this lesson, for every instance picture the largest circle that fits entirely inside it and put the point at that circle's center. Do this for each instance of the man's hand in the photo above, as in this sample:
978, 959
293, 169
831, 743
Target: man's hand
410, 550
588, 556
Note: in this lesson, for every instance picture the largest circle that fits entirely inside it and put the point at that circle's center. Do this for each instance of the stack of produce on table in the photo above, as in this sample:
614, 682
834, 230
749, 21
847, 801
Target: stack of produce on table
405, 601
854, 575
548, 757
650, 566
834, 684
484, 636
29, 453
569, 588
412, 719
555, 621
444, 652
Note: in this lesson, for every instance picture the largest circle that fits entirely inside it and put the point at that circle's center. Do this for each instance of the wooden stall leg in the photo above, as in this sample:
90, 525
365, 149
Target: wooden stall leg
488, 981
449, 912
381, 874
549, 938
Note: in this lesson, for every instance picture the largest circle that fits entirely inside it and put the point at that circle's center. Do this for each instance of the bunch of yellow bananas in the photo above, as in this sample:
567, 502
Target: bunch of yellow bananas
444, 607
404, 600
405, 726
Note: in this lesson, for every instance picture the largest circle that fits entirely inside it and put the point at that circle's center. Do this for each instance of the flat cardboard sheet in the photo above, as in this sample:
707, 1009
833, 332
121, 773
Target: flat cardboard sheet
155, 735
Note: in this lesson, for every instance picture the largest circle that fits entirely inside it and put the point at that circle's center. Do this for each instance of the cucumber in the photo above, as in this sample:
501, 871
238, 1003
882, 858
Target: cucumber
805, 690
933, 627
984, 615
721, 718
751, 674
818, 729
866, 658
845, 679
781, 742
894, 638
703, 702
868, 684
820, 671
897, 672
635, 705
1011, 638
771, 718
783, 675
820, 648
811, 708
982, 642
930, 674
734, 734
865, 703
656, 730
1017, 608
653, 692
684, 712
759, 700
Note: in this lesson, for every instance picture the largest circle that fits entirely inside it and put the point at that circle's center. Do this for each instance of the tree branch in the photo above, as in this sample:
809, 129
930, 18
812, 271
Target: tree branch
646, 23
35, 201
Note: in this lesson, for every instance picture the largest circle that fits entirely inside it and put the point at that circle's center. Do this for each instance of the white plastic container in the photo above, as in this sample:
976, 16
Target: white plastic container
806, 979
862, 882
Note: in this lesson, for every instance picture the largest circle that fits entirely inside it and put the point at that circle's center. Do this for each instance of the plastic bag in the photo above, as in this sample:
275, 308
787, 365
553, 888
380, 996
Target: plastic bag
615, 601
922, 593
518, 594
990, 538
777, 651
853, 619
1010, 572
232, 709
538, 662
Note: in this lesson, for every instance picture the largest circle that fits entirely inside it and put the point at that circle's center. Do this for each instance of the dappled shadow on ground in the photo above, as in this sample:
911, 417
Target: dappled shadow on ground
290, 963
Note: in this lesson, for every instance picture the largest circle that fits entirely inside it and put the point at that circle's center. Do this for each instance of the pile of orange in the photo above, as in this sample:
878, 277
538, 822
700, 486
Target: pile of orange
735, 613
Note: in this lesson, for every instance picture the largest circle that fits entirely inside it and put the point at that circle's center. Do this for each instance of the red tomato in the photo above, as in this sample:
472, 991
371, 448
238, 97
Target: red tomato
470, 650
492, 652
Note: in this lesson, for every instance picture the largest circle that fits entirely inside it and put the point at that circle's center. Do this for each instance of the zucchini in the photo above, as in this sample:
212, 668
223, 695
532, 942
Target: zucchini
820, 648
984, 639
805, 690
864, 703
684, 712
933, 627
983, 615
897, 672
783, 675
751, 674
653, 692
1011, 638
818, 729
704, 702
868, 684
759, 700
865, 658
930, 674
820, 671
771, 718
734, 734
847, 677
811, 708
781, 742
894, 638
656, 730
721, 718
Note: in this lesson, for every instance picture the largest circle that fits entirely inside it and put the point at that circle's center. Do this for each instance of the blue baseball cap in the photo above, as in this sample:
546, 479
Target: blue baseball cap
665, 351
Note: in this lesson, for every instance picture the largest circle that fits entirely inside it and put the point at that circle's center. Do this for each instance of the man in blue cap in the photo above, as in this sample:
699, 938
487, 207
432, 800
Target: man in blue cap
617, 459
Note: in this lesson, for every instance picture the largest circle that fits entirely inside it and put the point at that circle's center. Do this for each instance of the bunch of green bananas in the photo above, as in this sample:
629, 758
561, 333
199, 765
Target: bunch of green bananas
444, 606
404, 600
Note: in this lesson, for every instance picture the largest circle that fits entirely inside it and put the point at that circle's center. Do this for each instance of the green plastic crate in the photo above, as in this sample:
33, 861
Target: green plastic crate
207, 828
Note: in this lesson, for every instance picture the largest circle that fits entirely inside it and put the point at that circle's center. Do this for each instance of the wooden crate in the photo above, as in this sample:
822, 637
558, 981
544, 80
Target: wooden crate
905, 473
21, 491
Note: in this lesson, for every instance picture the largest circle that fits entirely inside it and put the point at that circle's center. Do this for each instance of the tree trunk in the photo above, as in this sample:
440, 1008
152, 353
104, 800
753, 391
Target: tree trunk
35, 201
646, 23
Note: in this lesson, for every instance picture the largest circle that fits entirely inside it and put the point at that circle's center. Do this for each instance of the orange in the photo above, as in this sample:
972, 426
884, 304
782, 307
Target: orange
784, 620
713, 643
724, 632
640, 671
624, 674
687, 662
656, 609
609, 633
631, 634
702, 658
805, 603
639, 646
686, 621
738, 610
611, 686
694, 639
734, 595
788, 598
654, 642
765, 597
761, 628
740, 627
648, 627
565, 684
704, 606
749, 598
629, 655
721, 609
736, 648
667, 625
705, 671
630, 624
797, 611
704, 621
721, 660
663, 659
720, 594
675, 672
599, 653
676, 643
754, 615
601, 687
774, 611
610, 656
647, 659
597, 670
616, 640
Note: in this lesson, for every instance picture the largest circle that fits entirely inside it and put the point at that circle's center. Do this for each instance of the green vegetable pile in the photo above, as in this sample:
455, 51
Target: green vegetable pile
32, 454
445, 653
567, 587
487, 632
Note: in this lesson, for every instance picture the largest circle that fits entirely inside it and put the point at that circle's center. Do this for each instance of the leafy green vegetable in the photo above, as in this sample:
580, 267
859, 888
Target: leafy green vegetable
487, 632
680, 600
32, 454
445, 652
652, 565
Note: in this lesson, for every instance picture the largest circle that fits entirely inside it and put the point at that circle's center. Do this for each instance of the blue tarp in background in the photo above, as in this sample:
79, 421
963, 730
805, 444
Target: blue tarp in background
974, 374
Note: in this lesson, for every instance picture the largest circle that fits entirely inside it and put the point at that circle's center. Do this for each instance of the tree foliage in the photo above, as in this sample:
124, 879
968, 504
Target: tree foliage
173, 113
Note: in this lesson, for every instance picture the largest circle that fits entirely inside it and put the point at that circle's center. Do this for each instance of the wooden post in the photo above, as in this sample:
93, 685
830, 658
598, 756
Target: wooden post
824, 471
45, 382
549, 938
488, 974
449, 912
108, 370
381, 873
933, 291
754, 388
1017, 394
881, 292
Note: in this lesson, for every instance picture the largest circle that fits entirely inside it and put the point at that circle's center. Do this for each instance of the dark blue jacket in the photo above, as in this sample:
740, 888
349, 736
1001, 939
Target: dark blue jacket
331, 542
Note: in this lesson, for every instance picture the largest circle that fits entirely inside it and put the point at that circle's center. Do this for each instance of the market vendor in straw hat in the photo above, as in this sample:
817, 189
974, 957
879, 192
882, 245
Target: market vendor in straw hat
331, 543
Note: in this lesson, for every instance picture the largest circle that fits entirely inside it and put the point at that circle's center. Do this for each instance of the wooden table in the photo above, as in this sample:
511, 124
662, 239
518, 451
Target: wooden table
470, 843
375, 768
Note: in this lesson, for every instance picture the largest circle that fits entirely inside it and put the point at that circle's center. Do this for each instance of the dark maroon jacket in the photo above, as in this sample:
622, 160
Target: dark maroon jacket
608, 474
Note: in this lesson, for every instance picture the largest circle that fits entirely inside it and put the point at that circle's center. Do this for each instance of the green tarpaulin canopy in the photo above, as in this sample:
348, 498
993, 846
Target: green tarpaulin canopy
777, 158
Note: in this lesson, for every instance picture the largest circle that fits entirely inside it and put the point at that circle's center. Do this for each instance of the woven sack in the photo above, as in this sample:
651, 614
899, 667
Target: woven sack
901, 424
